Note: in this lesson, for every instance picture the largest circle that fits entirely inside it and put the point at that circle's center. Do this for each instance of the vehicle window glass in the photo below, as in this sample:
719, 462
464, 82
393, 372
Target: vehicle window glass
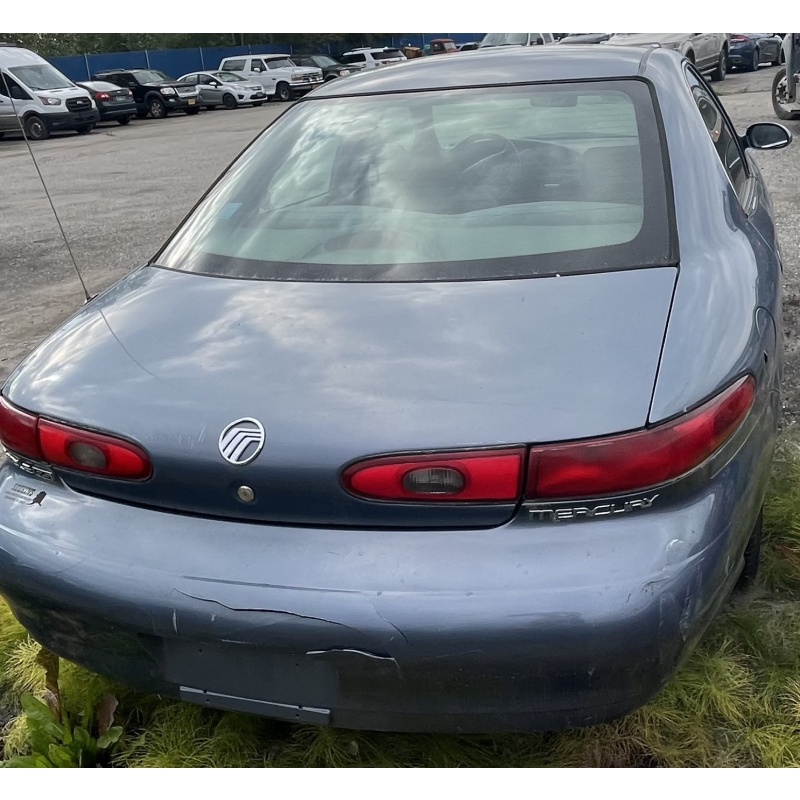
193, 80
41, 77
303, 62
724, 137
535, 36
442, 185
12, 84
323, 61
257, 63
234, 64
386, 54
3, 88
148, 76
279, 63
353, 58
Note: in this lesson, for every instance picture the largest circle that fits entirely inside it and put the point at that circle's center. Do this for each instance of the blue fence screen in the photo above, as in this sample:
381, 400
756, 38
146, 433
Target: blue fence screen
178, 62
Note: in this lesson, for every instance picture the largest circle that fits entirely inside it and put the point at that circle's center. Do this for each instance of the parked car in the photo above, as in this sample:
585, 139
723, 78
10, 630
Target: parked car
226, 89
154, 92
35, 93
516, 39
372, 57
749, 50
469, 46
331, 68
785, 96
114, 104
437, 47
585, 38
443, 410
707, 51
281, 78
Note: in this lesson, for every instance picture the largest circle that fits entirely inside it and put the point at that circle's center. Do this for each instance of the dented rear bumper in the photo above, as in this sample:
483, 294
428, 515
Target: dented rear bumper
530, 626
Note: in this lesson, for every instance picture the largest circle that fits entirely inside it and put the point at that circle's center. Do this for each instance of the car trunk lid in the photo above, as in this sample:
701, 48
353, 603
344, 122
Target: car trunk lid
339, 372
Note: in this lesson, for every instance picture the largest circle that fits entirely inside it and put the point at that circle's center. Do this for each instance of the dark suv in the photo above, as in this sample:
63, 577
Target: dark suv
330, 67
154, 92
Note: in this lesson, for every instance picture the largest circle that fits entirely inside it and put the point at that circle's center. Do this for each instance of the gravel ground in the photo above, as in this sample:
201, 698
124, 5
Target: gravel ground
121, 191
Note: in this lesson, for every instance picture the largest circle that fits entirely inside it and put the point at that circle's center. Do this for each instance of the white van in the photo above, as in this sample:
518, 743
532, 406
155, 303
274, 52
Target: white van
44, 99
276, 72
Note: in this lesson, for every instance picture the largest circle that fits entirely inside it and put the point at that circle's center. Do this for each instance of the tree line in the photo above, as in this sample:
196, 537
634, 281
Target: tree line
68, 44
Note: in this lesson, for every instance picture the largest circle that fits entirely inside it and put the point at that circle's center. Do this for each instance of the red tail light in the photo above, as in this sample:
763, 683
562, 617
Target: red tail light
589, 468
737, 37
18, 430
480, 475
102, 96
637, 460
73, 448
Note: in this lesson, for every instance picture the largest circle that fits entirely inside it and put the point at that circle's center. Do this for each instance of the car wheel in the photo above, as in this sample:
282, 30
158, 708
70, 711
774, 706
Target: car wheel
82, 129
156, 108
35, 128
752, 554
780, 105
722, 67
124, 120
755, 61
229, 101
192, 111
283, 92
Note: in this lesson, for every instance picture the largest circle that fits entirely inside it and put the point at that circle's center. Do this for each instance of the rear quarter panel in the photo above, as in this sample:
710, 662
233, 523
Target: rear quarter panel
729, 266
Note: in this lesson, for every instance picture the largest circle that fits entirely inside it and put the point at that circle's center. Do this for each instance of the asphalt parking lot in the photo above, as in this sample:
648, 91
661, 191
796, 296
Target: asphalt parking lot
121, 191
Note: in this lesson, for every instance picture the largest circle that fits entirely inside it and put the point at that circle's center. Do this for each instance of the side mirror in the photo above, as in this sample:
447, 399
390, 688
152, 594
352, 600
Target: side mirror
215, 84
767, 136
256, 69
17, 93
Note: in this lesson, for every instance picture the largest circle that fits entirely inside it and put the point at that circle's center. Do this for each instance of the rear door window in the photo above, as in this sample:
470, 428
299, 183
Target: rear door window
234, 64
722, 133
444, 185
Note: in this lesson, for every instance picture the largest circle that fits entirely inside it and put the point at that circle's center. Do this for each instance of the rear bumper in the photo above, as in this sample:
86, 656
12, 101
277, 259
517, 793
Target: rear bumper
529, 627
742, 54
117, 112
68, 120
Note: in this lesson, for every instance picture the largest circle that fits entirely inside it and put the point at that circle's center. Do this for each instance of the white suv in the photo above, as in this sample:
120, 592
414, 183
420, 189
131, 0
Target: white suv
277, 73
372, 57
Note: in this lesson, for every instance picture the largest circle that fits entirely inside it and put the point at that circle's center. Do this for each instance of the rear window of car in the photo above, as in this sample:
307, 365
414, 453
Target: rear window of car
383, 55
458, 184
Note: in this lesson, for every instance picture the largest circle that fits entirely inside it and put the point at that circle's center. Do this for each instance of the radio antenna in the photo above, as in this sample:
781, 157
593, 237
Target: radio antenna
46, 190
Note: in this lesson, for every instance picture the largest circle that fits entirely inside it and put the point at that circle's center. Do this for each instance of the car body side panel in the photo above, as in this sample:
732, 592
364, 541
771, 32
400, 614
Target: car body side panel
727, 270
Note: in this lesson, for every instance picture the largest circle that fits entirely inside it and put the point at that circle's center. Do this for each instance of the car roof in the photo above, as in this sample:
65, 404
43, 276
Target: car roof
474, 68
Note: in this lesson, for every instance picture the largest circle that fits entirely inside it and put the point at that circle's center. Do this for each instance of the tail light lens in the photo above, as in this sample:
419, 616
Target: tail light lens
480, 475
738, 38
70, 447
637, 460
18, 430
588, 468
102, 96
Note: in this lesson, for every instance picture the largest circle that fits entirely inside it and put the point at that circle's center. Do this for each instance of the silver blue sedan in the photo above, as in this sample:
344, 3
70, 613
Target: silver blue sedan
227, 89
451, 406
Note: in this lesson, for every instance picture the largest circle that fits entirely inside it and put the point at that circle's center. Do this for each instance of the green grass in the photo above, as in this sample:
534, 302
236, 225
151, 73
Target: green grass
735, 703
